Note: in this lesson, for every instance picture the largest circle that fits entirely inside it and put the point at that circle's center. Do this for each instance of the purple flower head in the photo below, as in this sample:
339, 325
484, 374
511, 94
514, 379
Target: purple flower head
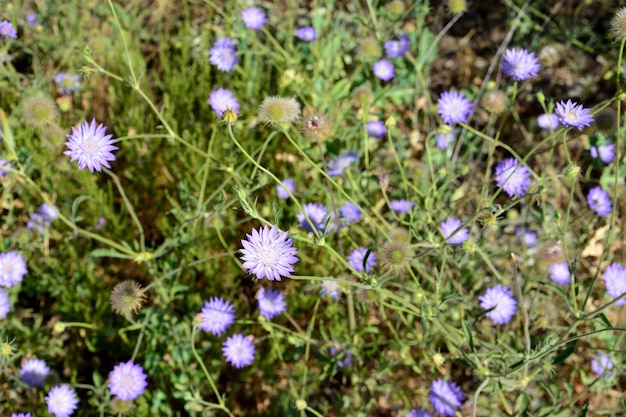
527, 237
288, 184
217, 315
329, 288
384, 70
42, 218
224, 54
444, 139
221, 100
445, 397
268, 253
512, 177
61, 401
500, 299
127, 381
31, 19
548, 121
559, 273
397, 48
350, 212
7, 30
253, 18
4, 163
34, 372
316, 213
307, 34
376, 129
20, 415
239, 350
454, 107
356, 259
401, 206
615, 281
5, 304
520, 64
572, 114
599, 201
605, 152
67, 83
418, 413
271, 303
338, 165
347, 359
12, 269
90, 146
449, 226
602, 365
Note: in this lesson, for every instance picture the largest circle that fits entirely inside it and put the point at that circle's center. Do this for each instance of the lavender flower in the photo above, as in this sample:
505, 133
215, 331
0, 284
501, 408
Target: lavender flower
499, 299
384, 70
418, 413
449, 227
307, 34
572, 114
599, 201
253, 18
41, 219
559, 273
512, 177
445, 397
520, 64
67, 83
7, 30
356, 259
239, 350
401, 206
34, 372
20, 415
602, 365
615, 281
5, 304
61, 401
350, 212
271, 303
6, 164
127, 381
217, 315
31, 19
444, 139
338, 165
548, 121
347, 359
397, 48
221, 100
224, 54
527, 237
454, 107
606, 152
288, 184
268, 253
12, 269
329, 288
90, 146
376, 129
316, 213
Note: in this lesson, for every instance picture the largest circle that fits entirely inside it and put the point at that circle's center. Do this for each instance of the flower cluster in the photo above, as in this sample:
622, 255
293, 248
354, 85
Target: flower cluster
90, 146
127, 381
34, 372
67, 83
452, 233
221, 100
512, 177
269, 253
271, 303
499, 302
445, 397
253, 18
61, 401
239, 350
12, 269
520, 64
615, 281
217, 315
223, 54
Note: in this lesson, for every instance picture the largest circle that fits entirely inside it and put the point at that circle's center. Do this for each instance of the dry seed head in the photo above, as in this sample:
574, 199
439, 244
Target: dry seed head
39, 112
369, 49
399, 234
277, 110
618, 26
395, 256
363, 95
396, 7
315, 126
606, 121
122, 408
549, 55
127, 297
495, 101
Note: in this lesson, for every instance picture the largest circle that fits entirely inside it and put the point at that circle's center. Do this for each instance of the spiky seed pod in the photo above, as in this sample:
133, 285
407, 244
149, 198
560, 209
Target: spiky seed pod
363, 95
369, 49
39, 112
127, 297
315, 126
277, 110
606, 121
395, 256
495, 101
618, 26
396, 7
122, 408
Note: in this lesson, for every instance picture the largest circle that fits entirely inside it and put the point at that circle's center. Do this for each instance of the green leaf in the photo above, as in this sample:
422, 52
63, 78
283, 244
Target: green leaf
468, 335
569, 349
109, 253
583, 412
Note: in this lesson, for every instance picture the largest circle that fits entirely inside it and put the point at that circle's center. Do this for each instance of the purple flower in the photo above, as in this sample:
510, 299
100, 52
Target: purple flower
384, 70
454, 107
606, 152
316, 213
217, 315
307, 34
90, 146
449, 227
356, 259
7, 30
61, 401
67, 83
350, 212
418, 413
12, 269
127, 381
271, 303
445, 397
5, 304
34, 372
559, 273
239, 350
288, 184
4, 163
527, 237
42, 218
253, 18
615, 281
338, 165
31, 19
20, 415
548, 121
444, 139
221, 100
520, 64
499, 299
602, 365
268, 253
347, 359
397, 48
329, 288
572, 114
376, 129
599, 201
224, 54
401, 206
512, 177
